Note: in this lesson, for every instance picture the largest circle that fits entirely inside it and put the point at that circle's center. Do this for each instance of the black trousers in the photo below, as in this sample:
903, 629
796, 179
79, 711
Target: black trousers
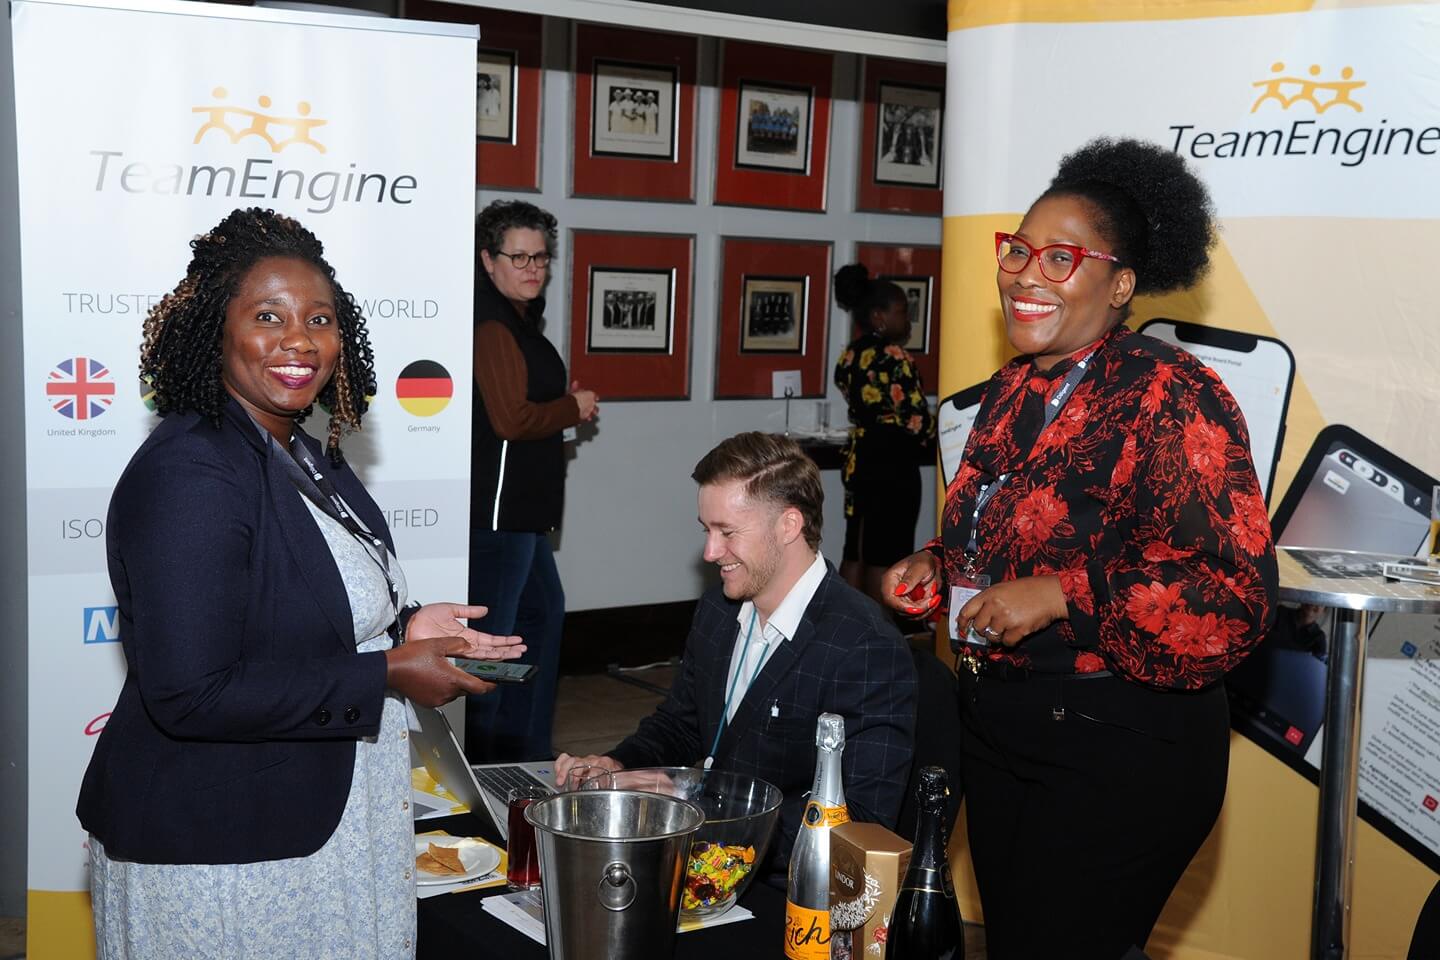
1087, 799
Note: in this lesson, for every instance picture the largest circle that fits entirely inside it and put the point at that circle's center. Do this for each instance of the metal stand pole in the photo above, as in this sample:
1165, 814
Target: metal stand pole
1334, 843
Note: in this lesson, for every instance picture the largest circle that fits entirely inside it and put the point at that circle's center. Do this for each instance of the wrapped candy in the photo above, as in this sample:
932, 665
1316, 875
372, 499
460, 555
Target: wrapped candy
712, 873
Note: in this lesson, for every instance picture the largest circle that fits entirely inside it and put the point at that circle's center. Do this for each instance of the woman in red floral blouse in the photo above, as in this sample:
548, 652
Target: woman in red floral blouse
890, 428
1119, 563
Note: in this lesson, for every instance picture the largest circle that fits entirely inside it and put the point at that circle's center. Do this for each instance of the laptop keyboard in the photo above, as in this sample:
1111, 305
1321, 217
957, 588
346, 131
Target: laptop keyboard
501, 780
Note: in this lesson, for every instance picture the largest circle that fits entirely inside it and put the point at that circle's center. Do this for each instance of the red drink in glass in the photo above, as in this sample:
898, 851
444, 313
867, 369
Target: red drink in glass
522, 870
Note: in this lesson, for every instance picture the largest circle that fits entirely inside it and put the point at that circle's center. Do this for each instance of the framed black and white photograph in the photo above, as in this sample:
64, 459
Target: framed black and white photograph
907, 147
917, 299
634, 110
495, 96
773, 127
773, 314
630, 310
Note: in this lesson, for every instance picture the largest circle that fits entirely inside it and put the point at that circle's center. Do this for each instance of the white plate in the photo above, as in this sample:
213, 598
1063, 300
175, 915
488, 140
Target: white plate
476, 857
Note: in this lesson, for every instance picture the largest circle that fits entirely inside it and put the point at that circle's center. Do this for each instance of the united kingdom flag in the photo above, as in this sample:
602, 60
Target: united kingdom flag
80, 388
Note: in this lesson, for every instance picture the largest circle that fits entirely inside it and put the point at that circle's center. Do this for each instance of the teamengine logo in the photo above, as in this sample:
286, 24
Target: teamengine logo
1312, 127
230, 126
80, 388
237, 123
1321, 95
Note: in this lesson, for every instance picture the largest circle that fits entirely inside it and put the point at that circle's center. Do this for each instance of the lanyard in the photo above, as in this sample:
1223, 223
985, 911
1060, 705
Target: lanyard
988, 491
739, 667
316, 488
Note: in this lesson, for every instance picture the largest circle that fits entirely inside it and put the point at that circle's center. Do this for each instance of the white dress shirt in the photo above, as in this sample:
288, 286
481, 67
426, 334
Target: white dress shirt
766, 638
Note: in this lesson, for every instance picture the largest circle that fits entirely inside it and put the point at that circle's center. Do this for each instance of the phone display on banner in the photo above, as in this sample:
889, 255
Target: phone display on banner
1258, 372
106, 215
953, 422
1366, 506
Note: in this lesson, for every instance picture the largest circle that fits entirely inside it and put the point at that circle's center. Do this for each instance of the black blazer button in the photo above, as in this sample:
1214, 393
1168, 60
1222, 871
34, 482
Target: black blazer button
351, 714
322, 716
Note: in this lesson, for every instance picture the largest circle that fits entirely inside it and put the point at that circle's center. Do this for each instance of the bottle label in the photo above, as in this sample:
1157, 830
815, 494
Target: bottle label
807, 933
819, 815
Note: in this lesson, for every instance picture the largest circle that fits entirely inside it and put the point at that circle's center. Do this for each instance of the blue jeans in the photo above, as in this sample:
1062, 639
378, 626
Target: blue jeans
513, 573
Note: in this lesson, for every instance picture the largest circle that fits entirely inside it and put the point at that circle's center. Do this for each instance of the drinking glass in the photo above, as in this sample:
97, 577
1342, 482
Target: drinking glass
822, 416
586, 777
1435, 523
522, 871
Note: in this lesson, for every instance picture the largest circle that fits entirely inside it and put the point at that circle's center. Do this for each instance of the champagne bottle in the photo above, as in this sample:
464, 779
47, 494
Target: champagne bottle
926, 922
807, 893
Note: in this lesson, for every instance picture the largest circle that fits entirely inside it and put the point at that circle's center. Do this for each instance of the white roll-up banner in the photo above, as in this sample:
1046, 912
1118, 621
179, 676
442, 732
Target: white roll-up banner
141, 125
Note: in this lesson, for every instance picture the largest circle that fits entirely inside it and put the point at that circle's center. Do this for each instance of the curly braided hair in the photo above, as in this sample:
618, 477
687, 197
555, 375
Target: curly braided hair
181, 356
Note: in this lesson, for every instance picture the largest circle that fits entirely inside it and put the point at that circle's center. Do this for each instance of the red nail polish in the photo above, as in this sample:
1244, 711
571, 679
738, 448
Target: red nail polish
901, 589
912, 610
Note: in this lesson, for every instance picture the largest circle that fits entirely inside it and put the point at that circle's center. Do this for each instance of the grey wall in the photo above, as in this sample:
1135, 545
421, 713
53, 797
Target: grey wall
14, 654
630, 535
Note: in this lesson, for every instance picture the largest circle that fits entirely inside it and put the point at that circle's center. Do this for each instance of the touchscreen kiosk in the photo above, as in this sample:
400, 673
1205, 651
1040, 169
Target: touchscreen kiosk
1353, 494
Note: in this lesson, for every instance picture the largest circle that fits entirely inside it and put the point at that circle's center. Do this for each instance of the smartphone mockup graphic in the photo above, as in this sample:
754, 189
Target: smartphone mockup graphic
1258, 371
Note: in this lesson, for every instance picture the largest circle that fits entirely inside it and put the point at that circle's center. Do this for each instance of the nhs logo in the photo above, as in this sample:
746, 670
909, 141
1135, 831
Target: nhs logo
102, 625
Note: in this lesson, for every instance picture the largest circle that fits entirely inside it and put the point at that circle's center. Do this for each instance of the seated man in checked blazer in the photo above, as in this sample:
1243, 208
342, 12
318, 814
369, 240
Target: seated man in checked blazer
780, 641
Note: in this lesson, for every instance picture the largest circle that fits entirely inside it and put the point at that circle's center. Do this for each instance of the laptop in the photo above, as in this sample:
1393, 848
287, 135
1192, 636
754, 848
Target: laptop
482, 787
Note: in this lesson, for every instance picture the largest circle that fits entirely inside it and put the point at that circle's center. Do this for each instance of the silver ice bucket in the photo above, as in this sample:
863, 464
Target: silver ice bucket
611, 866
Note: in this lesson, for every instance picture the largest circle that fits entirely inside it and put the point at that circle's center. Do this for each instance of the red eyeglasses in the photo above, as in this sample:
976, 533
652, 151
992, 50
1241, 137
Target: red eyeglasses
1058, 261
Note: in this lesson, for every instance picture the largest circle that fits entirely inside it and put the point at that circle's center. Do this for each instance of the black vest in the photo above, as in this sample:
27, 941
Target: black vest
517, 484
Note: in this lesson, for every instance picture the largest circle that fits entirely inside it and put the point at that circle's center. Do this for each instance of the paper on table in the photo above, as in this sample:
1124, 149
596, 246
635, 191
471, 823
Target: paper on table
431, 799
525, 911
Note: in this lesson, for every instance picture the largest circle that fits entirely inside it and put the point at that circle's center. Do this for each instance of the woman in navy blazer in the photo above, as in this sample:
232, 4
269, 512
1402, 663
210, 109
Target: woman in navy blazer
249, 794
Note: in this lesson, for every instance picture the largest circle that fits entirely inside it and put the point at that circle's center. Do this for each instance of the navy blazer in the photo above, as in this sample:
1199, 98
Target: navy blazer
846, 658
233, 739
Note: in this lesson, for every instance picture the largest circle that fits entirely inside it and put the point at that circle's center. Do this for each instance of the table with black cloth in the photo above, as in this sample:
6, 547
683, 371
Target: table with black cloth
454, 926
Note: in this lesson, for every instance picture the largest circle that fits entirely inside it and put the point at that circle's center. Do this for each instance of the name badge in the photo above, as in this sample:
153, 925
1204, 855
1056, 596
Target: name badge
960, 593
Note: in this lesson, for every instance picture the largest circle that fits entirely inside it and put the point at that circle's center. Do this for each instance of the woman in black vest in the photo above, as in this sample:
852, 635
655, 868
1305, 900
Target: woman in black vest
517, 476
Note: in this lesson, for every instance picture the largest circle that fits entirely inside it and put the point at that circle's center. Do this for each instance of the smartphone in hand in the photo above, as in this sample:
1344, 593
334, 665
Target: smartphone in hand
498, 671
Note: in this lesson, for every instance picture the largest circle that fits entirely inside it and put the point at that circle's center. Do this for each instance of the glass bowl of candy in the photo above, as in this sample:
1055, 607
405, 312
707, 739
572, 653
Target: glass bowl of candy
730, 846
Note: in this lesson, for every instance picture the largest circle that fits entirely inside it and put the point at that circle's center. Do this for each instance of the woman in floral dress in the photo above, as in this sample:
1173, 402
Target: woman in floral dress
890, 429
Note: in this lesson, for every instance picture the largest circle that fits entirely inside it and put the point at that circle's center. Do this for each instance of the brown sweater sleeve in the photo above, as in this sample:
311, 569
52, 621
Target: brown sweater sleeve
501, 375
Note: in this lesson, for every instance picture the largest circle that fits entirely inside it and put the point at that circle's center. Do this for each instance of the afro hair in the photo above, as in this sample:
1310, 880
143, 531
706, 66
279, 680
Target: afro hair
1149, 205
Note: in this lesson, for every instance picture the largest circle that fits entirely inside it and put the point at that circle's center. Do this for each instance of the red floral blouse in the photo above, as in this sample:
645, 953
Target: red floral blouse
1141, 496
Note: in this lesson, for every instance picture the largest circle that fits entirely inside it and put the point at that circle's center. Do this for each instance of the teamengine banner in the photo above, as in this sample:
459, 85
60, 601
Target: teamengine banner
1316, 126
1318, 134
140, 126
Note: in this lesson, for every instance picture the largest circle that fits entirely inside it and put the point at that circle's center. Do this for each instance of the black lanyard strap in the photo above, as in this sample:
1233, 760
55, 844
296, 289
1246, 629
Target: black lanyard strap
314, 486
1052, 410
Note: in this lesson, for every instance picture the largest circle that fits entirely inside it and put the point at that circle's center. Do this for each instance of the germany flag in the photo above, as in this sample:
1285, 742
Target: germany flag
424, 388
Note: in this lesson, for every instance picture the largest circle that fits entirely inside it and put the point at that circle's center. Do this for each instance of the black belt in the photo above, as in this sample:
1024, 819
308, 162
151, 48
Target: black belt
1006, 672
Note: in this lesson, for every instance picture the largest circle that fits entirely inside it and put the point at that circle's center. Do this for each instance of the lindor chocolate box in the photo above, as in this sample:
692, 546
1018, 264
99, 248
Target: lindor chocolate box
867, 865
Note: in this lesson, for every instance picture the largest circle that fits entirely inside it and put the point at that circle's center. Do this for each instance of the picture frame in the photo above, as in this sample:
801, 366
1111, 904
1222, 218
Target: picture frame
901, 162
917, 295
511, 161
640, 348
633, 110
773, 314
773, 124
909, 140
772, 138
622, 152
630, 310
495, 76
774, 310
